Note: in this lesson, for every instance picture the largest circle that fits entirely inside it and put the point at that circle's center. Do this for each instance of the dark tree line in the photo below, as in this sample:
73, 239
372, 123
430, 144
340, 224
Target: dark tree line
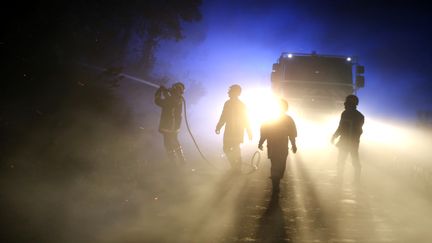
42, 41
59, 121
91, 29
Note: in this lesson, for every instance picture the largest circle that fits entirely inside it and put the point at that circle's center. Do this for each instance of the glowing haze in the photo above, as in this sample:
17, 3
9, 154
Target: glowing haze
238, 41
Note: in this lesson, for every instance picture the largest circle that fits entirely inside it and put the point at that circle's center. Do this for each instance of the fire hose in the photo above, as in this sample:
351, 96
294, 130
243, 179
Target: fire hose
256, 157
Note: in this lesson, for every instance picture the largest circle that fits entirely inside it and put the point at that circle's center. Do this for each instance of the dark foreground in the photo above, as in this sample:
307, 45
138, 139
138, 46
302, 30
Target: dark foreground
156, 202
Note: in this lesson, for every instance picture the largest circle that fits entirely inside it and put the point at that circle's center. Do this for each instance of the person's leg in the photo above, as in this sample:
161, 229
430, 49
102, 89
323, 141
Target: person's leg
275, 186
278, 165
228, 152
236, 153
232, 153
169, 147
356, 163
178, 149
343, 153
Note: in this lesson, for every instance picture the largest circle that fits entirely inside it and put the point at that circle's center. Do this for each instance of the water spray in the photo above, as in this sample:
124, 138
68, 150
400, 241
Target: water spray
122, 75
256, 157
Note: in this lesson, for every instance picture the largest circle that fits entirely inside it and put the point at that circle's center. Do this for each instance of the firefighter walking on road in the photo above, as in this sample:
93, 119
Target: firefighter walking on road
349, 131
171, 103
277, 133
235, 118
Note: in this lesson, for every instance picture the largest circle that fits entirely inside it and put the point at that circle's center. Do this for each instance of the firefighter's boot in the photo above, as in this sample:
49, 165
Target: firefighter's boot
180, 156
171, 154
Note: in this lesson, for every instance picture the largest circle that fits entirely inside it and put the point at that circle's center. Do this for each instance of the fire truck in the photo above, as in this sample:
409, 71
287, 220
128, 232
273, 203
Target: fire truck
313, 81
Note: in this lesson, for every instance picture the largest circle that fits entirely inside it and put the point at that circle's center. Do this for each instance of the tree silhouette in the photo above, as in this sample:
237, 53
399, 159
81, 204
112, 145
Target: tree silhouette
41, 42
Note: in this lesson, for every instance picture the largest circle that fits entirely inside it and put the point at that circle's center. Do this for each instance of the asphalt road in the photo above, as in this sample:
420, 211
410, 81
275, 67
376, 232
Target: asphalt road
154, 201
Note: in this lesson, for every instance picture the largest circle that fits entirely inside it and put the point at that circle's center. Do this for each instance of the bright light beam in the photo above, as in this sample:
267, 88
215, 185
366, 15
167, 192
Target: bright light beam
262, 105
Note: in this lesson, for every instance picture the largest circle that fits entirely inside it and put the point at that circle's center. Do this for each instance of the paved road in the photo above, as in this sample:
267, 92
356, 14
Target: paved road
210, 206
153, 201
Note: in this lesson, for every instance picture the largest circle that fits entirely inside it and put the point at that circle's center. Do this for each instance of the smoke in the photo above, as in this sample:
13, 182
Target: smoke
96, 171
240, 47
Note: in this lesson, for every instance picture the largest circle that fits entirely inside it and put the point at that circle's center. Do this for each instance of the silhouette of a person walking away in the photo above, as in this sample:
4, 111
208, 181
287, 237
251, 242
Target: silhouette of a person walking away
277, 133
235, 118
171, 103
349, 131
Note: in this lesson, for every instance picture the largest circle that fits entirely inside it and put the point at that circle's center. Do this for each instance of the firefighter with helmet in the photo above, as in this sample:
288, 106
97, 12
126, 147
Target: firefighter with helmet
235, 119
277, 134
171, 103
349, 132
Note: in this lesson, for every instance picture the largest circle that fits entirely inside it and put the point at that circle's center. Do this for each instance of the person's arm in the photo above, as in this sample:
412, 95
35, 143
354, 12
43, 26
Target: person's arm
159, 101
263, 138
249, 132
360, 123
338, 131
247, 124
222, 119
292, 136
362, 120
293, 144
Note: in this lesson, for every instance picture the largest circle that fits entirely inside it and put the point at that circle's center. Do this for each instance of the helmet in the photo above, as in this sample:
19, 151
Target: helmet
235, 90
352, 99
178, 88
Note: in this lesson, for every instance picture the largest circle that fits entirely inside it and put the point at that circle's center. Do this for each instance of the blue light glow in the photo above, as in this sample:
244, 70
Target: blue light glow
241, 47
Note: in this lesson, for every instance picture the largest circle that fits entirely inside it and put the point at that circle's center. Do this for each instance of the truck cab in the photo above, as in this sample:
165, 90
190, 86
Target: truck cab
312, 81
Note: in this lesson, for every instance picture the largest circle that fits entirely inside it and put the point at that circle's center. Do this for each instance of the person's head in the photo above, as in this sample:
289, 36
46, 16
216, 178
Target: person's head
234, 91
351, 101
177, 89
283, 106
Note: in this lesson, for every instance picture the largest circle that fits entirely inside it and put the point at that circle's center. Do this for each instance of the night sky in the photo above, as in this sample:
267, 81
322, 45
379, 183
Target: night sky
238, 41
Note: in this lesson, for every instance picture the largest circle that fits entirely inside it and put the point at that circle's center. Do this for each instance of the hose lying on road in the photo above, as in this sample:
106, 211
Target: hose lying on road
254, 162
256, 157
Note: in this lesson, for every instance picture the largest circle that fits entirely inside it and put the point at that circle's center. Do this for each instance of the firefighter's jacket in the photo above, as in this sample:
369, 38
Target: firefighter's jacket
171, 114
277, 133
235, 118
350, 128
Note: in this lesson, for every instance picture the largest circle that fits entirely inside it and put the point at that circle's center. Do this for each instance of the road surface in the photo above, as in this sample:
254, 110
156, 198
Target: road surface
154, 201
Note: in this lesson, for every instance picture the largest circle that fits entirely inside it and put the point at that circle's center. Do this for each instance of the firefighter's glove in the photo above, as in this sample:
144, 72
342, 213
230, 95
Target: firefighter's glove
294, 148
160, 90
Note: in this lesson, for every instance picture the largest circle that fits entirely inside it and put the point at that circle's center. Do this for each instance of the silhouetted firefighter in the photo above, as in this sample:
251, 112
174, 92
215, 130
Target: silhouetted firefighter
171, 102
349, 131
234, 117
277, 133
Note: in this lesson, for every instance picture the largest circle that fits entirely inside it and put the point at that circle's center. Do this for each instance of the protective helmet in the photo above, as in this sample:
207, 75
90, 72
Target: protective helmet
178, 88
235, 89
352, 99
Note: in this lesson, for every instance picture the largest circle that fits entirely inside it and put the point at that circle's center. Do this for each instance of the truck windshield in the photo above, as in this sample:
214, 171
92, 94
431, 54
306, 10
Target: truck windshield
317, 69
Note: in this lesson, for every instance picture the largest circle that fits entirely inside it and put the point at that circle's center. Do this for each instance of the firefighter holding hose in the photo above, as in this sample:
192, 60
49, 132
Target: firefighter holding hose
171, 103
